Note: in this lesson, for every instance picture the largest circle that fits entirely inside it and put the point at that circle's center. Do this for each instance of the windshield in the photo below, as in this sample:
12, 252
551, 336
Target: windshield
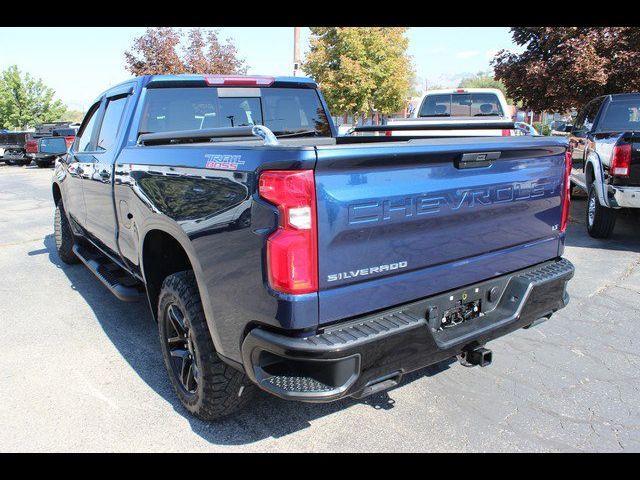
621, 115
461, 105
286, 111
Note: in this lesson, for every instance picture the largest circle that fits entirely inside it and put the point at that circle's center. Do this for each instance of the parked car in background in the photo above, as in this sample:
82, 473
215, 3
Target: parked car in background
461, 106
68, 133
560, 128
13, 144
1, 147
44, 150
47, 129
605, 145
274, 253
49, 149
31, 147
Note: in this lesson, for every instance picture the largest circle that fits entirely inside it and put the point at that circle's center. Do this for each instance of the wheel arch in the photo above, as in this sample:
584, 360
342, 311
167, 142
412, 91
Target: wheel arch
56, 192
594, 175
163, 253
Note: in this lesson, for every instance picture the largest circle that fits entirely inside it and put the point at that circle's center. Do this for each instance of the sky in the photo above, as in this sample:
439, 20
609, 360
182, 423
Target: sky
95, 61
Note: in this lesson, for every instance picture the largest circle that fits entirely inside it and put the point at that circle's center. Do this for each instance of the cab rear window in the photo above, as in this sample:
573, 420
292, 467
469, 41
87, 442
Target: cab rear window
621, 115
461, 105
283, 110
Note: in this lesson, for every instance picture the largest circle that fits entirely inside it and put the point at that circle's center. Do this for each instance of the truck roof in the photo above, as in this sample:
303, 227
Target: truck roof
201, 77
463, 90
623, 96
145, 80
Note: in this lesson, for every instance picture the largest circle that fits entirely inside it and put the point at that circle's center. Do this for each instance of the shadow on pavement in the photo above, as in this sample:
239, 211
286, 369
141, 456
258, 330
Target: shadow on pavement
625, 235
132, 331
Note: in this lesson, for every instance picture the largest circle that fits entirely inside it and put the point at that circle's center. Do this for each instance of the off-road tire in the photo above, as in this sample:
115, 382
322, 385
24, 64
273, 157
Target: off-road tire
600, 219
221, 389
64, 236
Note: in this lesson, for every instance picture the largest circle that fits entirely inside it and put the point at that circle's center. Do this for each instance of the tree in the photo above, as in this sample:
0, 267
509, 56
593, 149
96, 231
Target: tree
482, 80
155, 53
486, 80
205, 54
565, 67
26, 101
160, 51
74, 116
361, 68
222, 58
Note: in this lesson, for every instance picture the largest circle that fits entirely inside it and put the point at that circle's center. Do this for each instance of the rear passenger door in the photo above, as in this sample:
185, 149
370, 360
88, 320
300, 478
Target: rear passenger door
76, 162
98, 188
581, 131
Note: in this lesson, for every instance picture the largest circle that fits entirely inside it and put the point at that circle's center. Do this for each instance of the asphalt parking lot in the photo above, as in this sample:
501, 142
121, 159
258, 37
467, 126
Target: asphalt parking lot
82, 371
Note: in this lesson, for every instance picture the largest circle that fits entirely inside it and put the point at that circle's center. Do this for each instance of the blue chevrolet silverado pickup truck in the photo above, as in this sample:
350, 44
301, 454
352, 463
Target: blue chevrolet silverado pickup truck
275, 253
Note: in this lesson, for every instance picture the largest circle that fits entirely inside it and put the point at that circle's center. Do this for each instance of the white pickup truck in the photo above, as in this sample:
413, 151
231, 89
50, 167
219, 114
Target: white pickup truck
458, 106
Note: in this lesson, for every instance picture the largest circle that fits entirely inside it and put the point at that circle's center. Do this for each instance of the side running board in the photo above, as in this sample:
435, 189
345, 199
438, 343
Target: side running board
119, 282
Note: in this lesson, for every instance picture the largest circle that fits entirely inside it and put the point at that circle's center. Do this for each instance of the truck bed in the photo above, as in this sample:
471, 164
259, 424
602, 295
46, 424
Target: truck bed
400, 202
407, 204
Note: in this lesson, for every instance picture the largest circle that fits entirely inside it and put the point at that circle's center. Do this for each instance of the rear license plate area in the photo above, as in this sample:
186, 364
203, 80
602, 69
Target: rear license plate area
461, 313
455, 309
465, 306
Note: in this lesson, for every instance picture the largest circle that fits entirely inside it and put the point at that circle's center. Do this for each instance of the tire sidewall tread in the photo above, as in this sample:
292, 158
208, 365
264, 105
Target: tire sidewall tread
219, 384
64, 236
604, 219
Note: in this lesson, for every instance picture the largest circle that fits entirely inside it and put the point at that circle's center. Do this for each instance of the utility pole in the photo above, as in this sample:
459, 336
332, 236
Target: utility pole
296, 51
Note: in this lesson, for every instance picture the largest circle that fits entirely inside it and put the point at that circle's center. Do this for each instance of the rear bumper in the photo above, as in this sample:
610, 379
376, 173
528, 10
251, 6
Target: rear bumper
364, 355
624, 197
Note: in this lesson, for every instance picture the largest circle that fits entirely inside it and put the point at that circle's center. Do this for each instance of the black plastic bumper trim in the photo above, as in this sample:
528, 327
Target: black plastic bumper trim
399, 340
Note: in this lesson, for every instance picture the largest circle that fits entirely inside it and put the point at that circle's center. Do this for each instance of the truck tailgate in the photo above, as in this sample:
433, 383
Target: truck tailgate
402, 221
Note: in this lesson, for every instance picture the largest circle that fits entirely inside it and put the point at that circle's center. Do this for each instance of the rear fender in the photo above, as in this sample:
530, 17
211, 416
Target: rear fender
598, 178
170, 227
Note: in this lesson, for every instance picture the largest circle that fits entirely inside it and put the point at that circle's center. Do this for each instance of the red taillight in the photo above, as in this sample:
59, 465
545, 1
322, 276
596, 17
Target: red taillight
292, 250
566, 198
69, 141
31, 146
387, 133
506, 132
460, 90
621, 160
238, 80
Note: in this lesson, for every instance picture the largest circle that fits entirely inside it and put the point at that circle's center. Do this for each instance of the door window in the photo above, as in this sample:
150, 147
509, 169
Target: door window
111, 123
83, 140
591, 113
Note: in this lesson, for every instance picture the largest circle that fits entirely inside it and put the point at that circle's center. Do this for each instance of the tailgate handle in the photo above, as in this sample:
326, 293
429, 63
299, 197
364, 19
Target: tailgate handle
476, 159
